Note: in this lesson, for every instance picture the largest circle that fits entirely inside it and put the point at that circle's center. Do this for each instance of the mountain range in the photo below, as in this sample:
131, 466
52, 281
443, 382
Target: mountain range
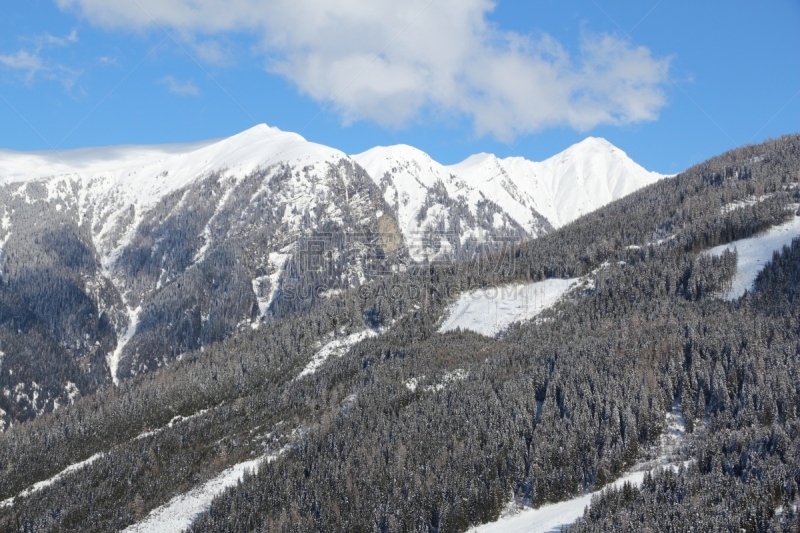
307, 341
118, 260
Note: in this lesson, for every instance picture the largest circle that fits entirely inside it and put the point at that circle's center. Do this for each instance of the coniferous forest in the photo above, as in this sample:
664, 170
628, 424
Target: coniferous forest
409, 429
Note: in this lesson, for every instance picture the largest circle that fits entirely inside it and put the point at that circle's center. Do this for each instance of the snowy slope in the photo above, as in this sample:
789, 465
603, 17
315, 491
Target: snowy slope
755, 252
179, 513
337, 348
414, 185
553, 517
112, 180
490, 311
36, 487
579, 180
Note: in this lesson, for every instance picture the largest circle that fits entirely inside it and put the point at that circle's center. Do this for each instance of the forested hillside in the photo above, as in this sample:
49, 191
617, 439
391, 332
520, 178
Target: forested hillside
402, 428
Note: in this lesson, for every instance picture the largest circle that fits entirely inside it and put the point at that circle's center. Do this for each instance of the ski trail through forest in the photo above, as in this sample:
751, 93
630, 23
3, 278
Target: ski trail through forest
551, 518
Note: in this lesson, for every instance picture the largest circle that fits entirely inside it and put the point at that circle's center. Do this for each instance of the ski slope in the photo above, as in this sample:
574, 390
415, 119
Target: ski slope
490, 311
337, 348
552, 518
754, 253
36, 487
179, 513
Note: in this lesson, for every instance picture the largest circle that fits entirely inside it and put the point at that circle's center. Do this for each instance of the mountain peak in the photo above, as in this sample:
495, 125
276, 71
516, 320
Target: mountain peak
393, 152
595, 141
268, 132
592, 145
476, 161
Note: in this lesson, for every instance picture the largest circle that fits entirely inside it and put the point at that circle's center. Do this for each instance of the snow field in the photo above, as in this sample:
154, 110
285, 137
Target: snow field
337, 348
490, 311
754, 253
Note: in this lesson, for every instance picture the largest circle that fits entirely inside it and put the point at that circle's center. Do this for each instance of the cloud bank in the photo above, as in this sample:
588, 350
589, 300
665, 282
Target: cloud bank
390, 62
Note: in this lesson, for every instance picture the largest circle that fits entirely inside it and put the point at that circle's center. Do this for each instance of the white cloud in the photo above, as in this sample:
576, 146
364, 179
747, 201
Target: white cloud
181, 88
30, 63
390, 61
52, 40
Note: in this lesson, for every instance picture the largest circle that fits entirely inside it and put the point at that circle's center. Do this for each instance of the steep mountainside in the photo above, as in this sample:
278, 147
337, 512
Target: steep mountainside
376, 410
512, 196
575, 182
118, 260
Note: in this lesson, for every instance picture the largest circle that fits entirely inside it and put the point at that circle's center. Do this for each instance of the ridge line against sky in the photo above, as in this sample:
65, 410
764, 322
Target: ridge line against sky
670, 83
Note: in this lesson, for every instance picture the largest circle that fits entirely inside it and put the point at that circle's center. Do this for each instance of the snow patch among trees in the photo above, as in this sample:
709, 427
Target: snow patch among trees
265, 287
557, 516
114, 357
490, 311
338, 348
181, 511
36, 487
754, 253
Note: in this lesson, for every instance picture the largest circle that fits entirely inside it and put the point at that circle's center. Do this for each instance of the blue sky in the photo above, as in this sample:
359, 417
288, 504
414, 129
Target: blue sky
671, 82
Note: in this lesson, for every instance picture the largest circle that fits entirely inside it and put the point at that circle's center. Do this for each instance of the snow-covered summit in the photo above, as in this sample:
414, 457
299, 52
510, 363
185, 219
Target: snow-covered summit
578, 180
481, 195
132, 165
111, 180
581, 179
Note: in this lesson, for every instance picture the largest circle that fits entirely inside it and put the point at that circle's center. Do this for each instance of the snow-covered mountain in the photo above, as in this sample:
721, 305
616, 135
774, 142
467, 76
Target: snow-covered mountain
106, 185
120, 259
513, 192
579, 180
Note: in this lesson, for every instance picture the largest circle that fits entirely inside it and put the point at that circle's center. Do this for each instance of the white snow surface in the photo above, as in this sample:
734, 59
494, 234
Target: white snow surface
113, 358
552, 517
179, 513
740, 204
337, 348
265, 287
139, 168
754, 253
490, 311
456, 375
36, 487
577, 181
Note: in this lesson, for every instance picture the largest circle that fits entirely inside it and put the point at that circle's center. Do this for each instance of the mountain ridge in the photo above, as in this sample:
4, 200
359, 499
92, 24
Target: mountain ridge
127, 258
611, 353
